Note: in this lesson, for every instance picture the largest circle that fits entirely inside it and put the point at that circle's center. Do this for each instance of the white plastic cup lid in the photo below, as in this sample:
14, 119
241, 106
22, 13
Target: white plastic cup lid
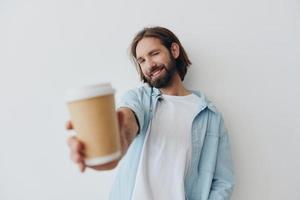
89, 91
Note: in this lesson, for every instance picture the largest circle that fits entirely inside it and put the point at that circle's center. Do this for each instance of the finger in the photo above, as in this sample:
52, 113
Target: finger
69, 125
82, 167
71, 140
75, 145
76, 157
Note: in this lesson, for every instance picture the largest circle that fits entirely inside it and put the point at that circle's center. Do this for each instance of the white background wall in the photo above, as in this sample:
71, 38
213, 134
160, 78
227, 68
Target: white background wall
245, 58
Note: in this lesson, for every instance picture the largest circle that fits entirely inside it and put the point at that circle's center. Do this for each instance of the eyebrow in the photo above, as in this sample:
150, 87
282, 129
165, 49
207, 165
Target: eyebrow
149, 53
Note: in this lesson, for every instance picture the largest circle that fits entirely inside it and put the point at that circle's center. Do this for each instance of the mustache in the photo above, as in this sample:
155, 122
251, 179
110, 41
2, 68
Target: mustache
155, 68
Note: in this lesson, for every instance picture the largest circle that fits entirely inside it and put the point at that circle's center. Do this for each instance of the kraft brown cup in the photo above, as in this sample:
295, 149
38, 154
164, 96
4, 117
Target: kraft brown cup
92, 110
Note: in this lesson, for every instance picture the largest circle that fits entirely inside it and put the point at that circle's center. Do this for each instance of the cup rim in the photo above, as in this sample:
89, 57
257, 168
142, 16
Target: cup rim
89, 91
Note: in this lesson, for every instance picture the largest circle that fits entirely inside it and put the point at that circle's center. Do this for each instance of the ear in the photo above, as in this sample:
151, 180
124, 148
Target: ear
175, 50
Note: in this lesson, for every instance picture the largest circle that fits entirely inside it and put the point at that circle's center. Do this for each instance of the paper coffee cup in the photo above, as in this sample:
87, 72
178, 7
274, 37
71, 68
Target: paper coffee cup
93, 115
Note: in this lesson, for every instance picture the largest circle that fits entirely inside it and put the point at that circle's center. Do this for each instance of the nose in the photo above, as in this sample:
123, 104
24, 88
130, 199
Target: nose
151, 64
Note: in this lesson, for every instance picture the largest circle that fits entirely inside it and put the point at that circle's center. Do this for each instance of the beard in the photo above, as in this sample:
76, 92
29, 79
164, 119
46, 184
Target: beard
165, 79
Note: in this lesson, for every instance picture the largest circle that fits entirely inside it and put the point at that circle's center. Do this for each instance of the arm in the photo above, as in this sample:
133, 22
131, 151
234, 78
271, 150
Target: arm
129, 127
223, 180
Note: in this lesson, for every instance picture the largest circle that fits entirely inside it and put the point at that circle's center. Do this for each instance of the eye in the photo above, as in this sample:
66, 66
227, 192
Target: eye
155, 53
140, 61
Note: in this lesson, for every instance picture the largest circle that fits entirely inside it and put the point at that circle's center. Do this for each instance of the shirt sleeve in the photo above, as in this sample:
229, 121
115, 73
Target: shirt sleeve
132, 100
223, 180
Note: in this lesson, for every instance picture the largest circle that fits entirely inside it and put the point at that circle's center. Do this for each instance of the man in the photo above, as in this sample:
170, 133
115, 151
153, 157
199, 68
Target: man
174, 142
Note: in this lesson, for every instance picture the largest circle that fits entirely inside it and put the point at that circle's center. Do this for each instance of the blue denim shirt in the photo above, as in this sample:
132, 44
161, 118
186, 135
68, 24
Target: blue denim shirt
210, 175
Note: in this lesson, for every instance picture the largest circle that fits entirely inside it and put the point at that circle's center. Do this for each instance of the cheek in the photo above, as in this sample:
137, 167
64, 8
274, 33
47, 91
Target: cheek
159, 59
143, 70
163, 59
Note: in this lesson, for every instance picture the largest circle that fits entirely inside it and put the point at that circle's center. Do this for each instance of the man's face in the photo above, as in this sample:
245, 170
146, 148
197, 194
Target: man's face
157, 64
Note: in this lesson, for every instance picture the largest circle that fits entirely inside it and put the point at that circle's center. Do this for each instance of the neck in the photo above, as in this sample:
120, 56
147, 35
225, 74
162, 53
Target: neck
175, 87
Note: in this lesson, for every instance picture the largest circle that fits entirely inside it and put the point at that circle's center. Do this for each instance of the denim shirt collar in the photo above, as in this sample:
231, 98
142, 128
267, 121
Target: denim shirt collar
156, 94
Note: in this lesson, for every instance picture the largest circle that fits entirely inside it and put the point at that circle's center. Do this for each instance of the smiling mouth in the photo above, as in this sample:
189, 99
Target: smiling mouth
156, 72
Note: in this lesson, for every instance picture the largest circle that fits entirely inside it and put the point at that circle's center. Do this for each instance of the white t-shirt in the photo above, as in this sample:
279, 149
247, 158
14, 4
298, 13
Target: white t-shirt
167, 150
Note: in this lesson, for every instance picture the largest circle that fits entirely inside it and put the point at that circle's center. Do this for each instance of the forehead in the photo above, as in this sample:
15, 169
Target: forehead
146, 45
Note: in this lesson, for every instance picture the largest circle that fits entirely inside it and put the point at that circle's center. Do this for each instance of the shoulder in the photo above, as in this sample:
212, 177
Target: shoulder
206, 102
135, 96
215, 112
212, 113
138, 92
